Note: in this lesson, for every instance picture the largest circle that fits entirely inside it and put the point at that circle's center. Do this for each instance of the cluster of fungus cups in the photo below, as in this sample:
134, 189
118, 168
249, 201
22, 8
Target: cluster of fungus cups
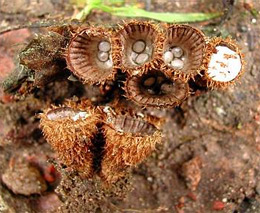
159, 61
126, 139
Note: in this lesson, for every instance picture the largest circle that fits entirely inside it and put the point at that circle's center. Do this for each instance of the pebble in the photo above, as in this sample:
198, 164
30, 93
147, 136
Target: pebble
103, 56
24, 179
177, 52
138, 46
149, 81
142, 58
167, 57
104, 46
242, 28
150, 179
177, 63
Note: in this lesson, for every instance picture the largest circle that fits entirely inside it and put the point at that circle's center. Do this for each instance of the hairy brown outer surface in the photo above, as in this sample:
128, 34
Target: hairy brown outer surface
72, 140
123, 150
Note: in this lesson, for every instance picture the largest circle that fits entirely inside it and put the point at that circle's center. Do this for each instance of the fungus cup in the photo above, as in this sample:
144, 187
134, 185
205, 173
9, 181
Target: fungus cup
69, 131
89, 55
223, 64
154, 89
183, 52
138, 46
129, 140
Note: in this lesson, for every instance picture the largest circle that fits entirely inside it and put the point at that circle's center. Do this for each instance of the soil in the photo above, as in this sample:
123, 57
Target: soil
209, 160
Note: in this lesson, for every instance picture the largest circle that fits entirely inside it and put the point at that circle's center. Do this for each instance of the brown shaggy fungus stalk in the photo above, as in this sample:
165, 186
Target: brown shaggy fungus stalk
183, 52
138, 46
223, 64
154, 89
89, 55
69, 131
129, 140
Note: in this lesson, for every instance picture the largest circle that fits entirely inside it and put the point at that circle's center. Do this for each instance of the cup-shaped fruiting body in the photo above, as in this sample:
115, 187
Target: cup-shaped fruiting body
129, 140
70, 131
138, 46
183, 52
223, 64
154, 89
89, 55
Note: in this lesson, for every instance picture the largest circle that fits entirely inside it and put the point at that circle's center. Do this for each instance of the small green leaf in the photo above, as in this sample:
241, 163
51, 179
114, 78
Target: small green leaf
78, 3
133, 11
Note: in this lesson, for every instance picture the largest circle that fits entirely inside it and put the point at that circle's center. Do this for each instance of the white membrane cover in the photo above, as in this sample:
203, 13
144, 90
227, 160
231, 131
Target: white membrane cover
225, 65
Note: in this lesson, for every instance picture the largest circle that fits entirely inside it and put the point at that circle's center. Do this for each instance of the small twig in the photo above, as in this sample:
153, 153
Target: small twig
37, 24
228, 9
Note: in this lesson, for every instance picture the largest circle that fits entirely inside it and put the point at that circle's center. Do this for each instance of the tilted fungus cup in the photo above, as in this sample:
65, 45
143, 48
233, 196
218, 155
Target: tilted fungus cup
129, 141
89, 55
183, 52
223, 64
154, 89
69, 130
138, 47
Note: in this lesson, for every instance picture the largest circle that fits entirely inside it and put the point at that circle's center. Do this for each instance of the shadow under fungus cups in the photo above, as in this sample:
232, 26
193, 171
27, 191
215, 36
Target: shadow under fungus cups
160, 66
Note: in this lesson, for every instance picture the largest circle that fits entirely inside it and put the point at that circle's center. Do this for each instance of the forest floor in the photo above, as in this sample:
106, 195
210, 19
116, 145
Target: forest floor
213, 137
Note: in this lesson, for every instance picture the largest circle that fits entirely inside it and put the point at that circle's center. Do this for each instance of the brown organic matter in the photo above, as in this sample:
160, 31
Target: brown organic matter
221, 127
191, 171
91, 140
